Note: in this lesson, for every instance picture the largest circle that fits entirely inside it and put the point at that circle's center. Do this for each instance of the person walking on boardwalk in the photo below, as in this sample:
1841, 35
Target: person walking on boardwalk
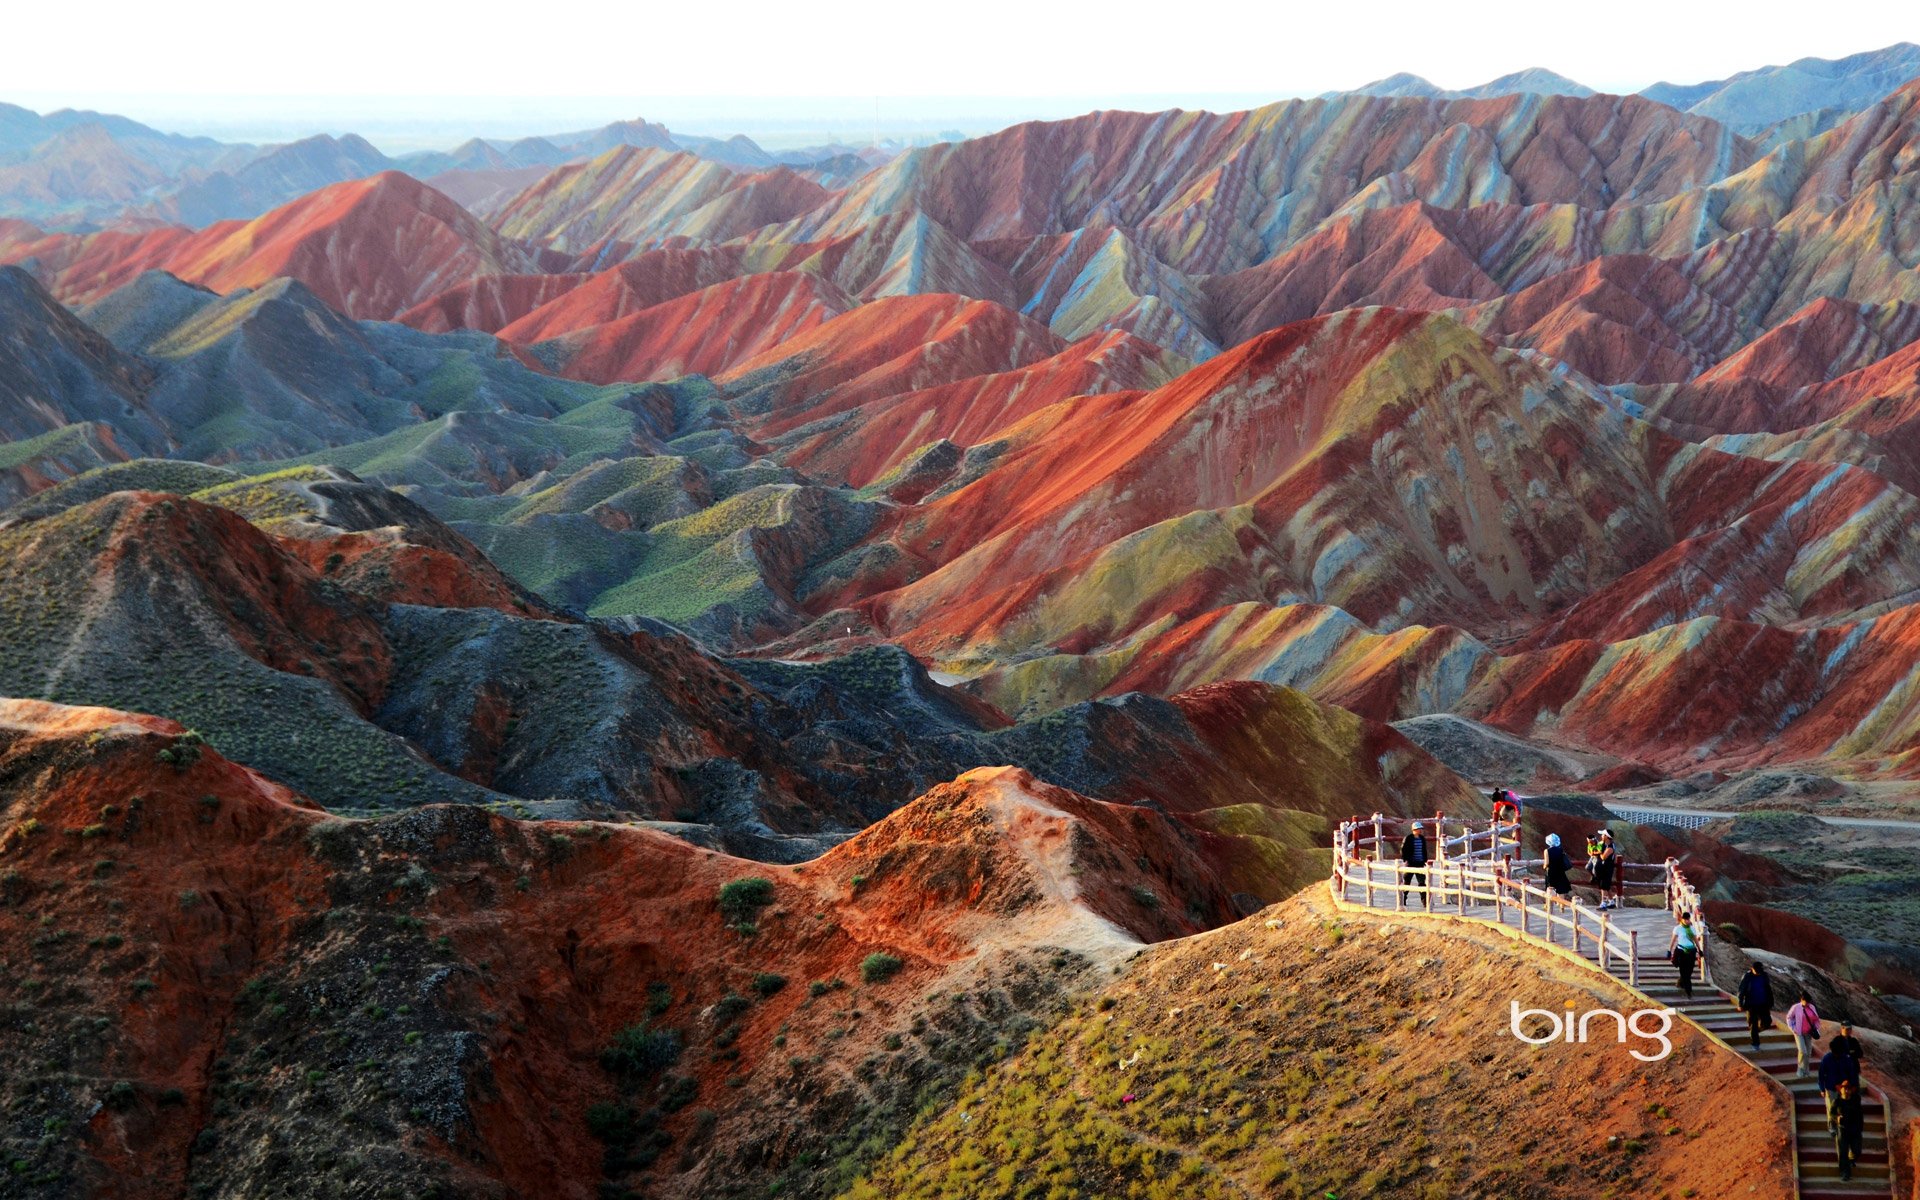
1803, 1021
1836, 1068
1683, 951
1850, 1122
1554, 863
1413, 863
1756, 1000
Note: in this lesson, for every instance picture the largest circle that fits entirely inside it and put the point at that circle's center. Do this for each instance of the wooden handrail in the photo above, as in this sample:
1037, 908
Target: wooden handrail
1487, 880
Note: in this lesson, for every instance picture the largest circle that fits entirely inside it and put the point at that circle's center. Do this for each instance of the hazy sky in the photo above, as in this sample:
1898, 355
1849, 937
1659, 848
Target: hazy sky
409, 73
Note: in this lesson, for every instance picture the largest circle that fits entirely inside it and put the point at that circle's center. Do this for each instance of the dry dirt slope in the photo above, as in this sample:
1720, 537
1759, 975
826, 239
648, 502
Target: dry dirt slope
1302, 1053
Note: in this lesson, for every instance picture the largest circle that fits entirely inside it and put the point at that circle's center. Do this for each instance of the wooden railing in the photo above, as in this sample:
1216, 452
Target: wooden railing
1478, 866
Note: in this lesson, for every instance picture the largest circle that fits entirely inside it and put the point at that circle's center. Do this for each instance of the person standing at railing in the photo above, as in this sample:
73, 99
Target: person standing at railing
1683, 951
1803, 1021
1604, 863
1619, 873
1554, 863
1756, 1000
1413, 863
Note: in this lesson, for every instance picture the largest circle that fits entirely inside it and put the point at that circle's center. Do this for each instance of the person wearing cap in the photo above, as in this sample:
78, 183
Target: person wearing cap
1603, 863
1849, 1125
1683, 951
1413, 863
1554, 863
1845, 1042
1836, 1067
1619, 870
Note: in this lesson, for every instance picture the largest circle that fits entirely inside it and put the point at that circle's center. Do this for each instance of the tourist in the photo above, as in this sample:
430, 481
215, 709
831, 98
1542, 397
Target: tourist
1619, 870
1849, 1125
1413, 863
1846, 1043
1603, 865
1683, 951
1555, 865
1756, 1000
1836, 1068
1803, 1021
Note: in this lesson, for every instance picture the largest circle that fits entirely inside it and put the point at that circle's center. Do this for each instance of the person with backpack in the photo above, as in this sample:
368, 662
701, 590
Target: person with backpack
1603, 864
1756, 1000
1554, 863
1683, 951
1836, 1068
1618, 873
1803, 1021
1413, 863
1506, 811
1850, 1124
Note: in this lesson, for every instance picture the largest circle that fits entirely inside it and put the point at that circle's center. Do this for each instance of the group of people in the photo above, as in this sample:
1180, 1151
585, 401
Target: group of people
1839, 1068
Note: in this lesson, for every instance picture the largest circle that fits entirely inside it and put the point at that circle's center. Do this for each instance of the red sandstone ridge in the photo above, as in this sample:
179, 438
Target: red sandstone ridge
510, 956
890, 346
371, 248
707, 332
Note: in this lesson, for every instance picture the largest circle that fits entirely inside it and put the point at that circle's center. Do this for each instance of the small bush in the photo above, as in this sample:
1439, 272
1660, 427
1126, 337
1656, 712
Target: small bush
766, 983
659, 998
184, 752
819, 987
120, 1095
730, 1006
641, 1050
611, 1122
879, 967
742, 899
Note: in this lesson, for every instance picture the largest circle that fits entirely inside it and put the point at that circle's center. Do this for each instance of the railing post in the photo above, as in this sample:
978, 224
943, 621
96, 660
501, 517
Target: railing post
1576, 926
1606, 935
1379, 841
1633, 961
1523, 908
1499, 896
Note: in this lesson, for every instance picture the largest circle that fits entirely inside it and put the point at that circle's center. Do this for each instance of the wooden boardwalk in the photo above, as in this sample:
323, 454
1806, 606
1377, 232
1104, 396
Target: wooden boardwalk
1629, 944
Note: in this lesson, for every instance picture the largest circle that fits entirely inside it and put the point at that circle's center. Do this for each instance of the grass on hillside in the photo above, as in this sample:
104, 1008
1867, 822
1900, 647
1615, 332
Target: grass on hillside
63, 440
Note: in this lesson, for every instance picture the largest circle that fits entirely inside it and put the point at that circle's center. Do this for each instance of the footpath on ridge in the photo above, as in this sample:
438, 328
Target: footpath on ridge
1474, 879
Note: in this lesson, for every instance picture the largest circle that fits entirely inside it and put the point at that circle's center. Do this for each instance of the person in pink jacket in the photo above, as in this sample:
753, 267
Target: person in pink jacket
1804, 1023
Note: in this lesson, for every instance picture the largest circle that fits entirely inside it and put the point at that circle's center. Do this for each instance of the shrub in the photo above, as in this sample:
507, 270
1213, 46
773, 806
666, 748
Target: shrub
641, 1050
659, 998
742, 899
680, 1093
730, 1006
120, 1095
767, 983
819, 987
184, 752
611, 1122
879, 967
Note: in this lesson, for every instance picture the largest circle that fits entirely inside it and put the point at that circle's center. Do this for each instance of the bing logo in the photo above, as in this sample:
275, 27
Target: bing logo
1565, 1027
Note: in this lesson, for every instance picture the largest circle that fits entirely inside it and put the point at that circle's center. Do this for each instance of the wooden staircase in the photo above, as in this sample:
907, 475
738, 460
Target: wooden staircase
1817, 1160
1474, 884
